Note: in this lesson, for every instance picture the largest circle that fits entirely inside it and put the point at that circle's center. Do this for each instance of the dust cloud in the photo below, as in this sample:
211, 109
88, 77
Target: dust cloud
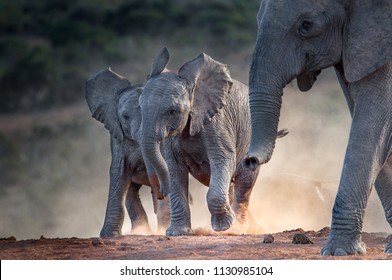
62, 191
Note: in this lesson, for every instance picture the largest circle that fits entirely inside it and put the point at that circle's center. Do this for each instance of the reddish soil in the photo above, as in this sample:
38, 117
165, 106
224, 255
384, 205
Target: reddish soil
202, 246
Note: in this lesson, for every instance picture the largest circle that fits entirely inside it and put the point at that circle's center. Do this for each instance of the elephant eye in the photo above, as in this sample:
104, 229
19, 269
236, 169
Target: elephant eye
305, 26
125, 117
172, 112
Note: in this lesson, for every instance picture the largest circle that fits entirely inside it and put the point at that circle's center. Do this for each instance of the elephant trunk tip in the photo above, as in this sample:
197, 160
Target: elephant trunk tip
159, 196
156, 187
251, 162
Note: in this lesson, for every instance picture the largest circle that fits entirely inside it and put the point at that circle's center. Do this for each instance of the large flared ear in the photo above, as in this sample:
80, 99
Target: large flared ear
159, 63
211, 83
368, 38
102, 93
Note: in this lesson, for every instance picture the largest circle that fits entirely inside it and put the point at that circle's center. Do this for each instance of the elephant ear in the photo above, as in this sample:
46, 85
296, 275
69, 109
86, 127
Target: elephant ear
211, 83
368, 38
102, 93
159, 63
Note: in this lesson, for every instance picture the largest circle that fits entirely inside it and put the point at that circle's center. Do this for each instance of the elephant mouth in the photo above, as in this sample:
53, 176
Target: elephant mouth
306, 80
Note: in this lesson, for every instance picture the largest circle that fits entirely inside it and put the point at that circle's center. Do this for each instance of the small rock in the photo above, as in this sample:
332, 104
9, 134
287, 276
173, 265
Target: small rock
163, 238
300, 238
97, 241
268, 238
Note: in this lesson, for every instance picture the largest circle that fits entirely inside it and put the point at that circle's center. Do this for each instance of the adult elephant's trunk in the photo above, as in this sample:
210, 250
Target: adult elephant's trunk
152, 155
265, 99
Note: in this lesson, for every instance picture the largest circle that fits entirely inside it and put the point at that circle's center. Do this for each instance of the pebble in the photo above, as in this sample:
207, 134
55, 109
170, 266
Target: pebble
268, 238
300, 238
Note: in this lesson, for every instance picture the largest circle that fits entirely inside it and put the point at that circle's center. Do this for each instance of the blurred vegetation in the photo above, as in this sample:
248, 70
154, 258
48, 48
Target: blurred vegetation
10, 161
47, 46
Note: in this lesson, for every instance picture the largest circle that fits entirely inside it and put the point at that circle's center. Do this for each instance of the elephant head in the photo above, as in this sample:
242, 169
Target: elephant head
297, 39
114, 101
178, 103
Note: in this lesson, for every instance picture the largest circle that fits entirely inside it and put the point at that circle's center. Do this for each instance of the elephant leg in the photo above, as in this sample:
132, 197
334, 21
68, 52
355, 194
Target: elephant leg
163, 214
118, 187
218, 198
384, 190
180, 215
136, 212
243, 186
366, 154
349, 208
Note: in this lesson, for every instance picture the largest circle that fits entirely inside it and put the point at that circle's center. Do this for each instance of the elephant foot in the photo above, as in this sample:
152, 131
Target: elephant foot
388, 248
340, 244
222, 222
179, 231
109, 233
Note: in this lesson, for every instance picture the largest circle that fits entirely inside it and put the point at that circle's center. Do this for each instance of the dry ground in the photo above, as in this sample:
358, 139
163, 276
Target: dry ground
198, 247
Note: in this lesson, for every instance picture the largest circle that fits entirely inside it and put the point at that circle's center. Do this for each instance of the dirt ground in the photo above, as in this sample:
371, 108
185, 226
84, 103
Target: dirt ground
201, 246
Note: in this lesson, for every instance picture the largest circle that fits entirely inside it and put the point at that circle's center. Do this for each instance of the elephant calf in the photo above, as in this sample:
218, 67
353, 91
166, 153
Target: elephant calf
197, 121
114, 101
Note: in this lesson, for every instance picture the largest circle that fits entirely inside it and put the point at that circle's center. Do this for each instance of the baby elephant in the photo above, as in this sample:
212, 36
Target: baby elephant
202, 118
114, 101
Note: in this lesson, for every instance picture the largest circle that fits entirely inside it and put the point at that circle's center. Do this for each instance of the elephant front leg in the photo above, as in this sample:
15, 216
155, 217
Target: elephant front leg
180, 216
365, 156
358, 175
384, 190
218, 200
119, 184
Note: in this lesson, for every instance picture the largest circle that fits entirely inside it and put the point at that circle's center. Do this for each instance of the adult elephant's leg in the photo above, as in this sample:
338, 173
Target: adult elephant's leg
353, 193
119, 183
136, 212
384, 190
180, 216
366, 154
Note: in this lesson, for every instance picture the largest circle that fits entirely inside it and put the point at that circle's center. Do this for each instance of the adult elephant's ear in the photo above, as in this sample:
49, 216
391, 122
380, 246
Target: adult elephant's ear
102, 93
368, 38
211, 84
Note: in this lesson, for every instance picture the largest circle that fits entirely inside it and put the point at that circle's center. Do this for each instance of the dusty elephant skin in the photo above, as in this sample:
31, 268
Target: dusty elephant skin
201, 117
297, 39
114, 101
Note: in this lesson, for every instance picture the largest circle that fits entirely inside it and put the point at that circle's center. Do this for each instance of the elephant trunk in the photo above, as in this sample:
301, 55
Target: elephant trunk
265, 99
154, 160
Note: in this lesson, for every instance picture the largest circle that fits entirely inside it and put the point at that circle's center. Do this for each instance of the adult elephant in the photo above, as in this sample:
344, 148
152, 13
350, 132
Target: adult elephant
200, 118
296, 39
114, 101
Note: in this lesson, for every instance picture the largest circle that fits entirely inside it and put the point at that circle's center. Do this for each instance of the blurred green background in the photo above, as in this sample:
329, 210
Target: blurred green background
48, 47
54, 158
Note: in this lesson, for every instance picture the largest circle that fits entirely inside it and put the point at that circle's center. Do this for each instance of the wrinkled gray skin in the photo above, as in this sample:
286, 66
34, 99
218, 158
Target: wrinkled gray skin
202, 117
296, 39
115, 102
